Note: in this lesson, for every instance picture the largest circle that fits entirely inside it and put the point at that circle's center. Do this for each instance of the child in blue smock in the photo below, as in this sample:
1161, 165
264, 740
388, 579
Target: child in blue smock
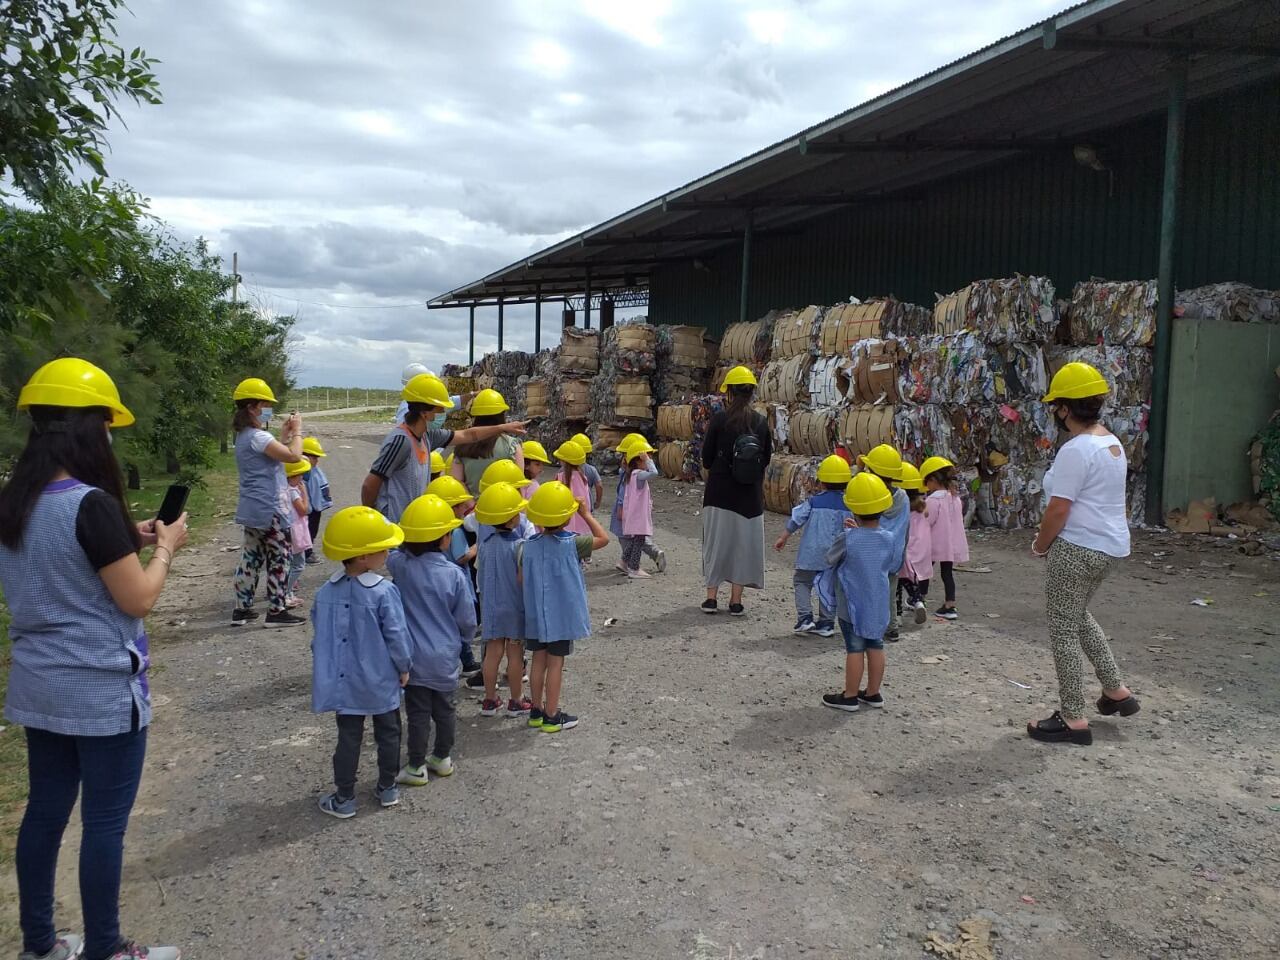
886, 463
461, 549
360, 653
822, 518
439, 608
861, 561
499, 518
555, 596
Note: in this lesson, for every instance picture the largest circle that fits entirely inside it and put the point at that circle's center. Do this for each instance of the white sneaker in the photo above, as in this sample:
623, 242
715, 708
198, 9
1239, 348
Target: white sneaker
131, 951
440, 767
639, 574
67, 947
412, 776
921, 613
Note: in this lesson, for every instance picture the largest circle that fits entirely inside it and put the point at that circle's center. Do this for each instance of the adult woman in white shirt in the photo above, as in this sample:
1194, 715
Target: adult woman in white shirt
1085, 529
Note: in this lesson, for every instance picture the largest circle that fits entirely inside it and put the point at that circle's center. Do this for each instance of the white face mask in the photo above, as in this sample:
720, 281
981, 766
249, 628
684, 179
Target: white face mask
264, 415
111, 438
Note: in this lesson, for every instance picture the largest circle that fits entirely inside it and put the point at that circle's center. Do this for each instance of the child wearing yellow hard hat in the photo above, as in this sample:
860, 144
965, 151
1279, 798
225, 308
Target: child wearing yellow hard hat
917, 567
535, 459
857, 586
299, 509
462, 550
318, 496
499, 511
359, 619
886, 463
822, 518
572, 458
589, 472
637, 512
946, 527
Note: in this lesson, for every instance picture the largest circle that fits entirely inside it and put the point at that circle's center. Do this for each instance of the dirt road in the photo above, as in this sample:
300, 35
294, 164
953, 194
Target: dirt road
709, 806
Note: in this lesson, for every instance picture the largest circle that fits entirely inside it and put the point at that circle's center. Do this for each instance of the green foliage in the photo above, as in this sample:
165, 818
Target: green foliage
61, 78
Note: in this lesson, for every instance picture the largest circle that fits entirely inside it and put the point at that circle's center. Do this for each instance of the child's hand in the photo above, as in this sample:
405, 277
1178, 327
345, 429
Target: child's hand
782, 542
582, 506
404, 680
850, 523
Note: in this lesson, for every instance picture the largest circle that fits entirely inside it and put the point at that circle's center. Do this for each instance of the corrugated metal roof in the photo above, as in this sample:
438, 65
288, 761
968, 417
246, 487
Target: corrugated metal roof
1014, 87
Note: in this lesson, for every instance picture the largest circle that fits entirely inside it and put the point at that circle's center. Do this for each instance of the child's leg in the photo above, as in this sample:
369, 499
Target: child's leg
515, 669
417, 710
313, 525
538, 679
555, 679
922, 590
948, 582
296, 563
386, 733
875, 670
650, 549
802, 581
467, 655
346, 758
852, 674
631, 552
493, 650
445, 715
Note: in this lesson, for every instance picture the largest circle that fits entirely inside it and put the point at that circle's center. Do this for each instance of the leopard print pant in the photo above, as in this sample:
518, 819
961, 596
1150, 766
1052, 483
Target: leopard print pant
1074, 575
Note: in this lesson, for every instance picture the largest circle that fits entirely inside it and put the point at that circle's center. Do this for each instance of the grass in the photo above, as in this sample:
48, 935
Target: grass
207, 505
314, 399
381, 415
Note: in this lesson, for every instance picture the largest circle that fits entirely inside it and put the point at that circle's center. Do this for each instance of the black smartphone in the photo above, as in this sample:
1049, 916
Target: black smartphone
175, 501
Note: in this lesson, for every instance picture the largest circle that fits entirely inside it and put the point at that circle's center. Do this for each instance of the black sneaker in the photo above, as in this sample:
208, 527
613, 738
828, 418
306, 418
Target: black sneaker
947, 613
891, 635
737, 610
1126, 707
1055, 730
838, 701
240, 617
710, 606
284, 619
470, 670
877, 701
475, 681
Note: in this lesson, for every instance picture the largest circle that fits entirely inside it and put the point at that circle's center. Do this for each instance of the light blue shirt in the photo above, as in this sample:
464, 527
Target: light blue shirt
863, 560
501, 601
555, 595
262, 481
615, 519
361, 646
897, 520
439, 607
317, 489
822, 518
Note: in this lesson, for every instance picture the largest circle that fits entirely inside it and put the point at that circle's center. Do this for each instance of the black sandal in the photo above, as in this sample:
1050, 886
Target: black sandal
1126, 707
1055, 730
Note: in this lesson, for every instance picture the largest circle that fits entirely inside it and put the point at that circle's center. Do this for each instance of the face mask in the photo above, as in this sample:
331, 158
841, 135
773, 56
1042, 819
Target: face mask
264, 415
111, 439
439, 420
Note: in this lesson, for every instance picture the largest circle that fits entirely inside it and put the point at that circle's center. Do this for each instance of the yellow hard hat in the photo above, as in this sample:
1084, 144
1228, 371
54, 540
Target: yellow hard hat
428, 389
582, 440
1075, 381
503, 471
254, 388
628, 440
312, 446
738, 377
638, 447
440, 463
933, 465
449, 489
297, 469
867, 494
884, 461
488, 402
835, 469
533, 450
499, 503
910, 479
552, 504
356, 531
570, 452
427, 519
71, 382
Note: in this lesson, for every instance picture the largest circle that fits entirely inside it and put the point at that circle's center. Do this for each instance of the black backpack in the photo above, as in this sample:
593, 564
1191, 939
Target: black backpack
746, 464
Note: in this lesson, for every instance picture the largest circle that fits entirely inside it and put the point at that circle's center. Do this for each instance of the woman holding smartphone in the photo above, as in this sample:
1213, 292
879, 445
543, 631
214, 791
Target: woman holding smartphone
77, 593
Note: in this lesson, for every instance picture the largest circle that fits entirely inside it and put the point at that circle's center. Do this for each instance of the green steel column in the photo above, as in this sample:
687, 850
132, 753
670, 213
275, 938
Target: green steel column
746, 267
500, 324
537, 318
471, 343
1158, 426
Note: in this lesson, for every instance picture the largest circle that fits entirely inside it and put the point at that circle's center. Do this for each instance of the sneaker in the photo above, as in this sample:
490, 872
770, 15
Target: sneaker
535, 717
921, 613
825, 628
561, 721
411, 776
284, 619
314, 561
638, 574
440, 766
67, 947
472, 670
128, 950
240, 617
804, 625
838, 701
660, 561
620, 567
334, 807
490, 708
475, 681
737, 610
947, 613
519, 708
710, 606
891, 635
877, 701
387, 796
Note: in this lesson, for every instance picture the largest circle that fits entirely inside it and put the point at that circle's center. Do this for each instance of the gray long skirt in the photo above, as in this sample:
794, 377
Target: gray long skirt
732, 548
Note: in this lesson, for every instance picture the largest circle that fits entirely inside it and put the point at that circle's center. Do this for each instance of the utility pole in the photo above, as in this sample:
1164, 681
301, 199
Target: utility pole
235, 278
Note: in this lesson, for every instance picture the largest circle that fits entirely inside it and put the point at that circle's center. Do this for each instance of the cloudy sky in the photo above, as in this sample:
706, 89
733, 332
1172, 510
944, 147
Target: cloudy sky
364, 157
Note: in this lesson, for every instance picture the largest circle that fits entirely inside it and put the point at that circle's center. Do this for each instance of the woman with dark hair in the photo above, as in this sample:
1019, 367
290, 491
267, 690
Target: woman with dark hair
488, 409
263, 506
735, 453
77, 594
1084, 531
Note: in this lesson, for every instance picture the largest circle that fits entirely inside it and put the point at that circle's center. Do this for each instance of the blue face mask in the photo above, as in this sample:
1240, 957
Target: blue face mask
264, 415
439, 420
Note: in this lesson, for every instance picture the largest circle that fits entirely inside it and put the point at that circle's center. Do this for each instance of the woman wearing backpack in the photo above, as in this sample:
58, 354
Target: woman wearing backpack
735, 453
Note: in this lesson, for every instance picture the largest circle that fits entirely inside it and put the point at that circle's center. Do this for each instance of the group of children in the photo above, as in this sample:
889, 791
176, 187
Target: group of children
869, 540
306, 498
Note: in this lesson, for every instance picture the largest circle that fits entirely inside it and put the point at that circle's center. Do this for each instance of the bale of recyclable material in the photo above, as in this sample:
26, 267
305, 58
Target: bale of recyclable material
1116, 313
1014, 309
829, 381
845, 324
812, 433
873, 371
861, 428
579, 351
672, 456
536, 398
786, 381
795, 332
675, 422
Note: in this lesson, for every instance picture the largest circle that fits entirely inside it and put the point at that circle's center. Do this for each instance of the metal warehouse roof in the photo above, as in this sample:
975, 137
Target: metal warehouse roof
1054, 85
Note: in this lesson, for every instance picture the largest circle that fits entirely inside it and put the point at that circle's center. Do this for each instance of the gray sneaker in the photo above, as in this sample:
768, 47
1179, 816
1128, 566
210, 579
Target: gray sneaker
388, 796
67, 947
128, 950
342, 809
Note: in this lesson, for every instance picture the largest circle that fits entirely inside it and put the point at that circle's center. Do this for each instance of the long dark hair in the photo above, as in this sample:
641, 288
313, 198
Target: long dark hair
481, 449
738, 412
244, 417
73, 439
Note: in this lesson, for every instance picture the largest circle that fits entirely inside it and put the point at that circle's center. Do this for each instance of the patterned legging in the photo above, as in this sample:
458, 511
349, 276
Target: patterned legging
269, 548
1074, 575
633, 547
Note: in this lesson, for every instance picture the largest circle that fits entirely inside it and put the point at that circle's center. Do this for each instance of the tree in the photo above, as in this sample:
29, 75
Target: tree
62, 74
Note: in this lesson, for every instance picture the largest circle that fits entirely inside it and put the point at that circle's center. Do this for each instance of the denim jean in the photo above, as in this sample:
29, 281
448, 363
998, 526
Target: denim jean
297, 563
106, 771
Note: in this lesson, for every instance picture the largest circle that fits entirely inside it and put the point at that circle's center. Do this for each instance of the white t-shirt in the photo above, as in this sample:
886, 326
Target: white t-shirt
1092, 477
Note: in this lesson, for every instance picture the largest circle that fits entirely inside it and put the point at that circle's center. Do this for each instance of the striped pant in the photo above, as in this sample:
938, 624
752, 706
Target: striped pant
264, 548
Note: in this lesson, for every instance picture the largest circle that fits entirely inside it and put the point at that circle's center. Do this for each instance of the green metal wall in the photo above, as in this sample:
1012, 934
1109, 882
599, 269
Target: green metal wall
1041, 214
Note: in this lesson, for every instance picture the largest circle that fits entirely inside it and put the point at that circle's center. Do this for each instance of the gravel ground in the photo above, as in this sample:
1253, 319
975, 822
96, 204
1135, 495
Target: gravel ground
708, 806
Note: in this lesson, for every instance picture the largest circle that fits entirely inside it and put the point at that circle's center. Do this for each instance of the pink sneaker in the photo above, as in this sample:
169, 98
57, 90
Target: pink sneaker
639, 575
519, 708
490, 708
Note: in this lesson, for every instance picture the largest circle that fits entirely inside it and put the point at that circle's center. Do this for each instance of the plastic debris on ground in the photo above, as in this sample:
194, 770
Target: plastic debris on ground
1118, 313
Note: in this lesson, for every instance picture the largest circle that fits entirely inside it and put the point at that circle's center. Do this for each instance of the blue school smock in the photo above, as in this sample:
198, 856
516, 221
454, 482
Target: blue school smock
897, 520
501, 603
555, 594
317, 485
862, 561
439, 608
458, 545
361, 646
822, 517
615, 518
